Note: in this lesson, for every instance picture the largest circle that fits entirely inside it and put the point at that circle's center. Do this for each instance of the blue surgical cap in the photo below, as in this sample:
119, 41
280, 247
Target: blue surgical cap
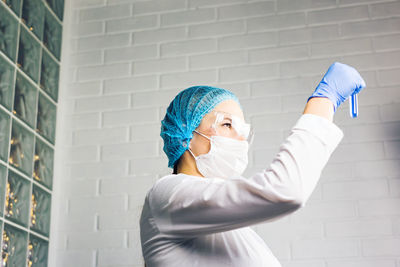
184, 115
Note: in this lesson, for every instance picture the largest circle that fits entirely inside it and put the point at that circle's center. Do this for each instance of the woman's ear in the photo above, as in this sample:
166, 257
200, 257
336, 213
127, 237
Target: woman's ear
190, 144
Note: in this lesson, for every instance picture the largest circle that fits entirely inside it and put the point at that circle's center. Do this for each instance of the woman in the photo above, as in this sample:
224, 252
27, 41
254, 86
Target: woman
200, 215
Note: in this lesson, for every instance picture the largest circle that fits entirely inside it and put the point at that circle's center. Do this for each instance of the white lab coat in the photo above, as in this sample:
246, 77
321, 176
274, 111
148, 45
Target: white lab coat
204, 222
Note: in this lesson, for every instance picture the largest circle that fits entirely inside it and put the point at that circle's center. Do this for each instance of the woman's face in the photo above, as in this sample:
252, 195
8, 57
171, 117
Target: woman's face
201, 145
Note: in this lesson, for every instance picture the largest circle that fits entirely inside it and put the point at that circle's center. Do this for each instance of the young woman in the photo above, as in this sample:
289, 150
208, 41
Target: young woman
200, 215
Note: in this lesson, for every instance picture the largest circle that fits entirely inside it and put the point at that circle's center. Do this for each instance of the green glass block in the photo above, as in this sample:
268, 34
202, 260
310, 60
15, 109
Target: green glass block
44, 162
40, 211
17, 199
58, 7
52, 34
37, 251
6, 83
21, 149
49, 76
28, 54
3, 178
14, 246
15, 6
4, 134
8, 33
25, 100
33, 16
46, 119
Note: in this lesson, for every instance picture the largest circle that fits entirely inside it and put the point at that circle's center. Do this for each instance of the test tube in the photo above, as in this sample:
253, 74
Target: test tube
353, 105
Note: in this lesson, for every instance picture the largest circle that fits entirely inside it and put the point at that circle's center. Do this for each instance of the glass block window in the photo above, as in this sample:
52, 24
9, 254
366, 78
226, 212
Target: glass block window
30, 52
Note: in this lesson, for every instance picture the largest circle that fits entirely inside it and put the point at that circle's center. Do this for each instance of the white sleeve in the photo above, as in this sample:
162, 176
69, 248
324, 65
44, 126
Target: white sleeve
184, 205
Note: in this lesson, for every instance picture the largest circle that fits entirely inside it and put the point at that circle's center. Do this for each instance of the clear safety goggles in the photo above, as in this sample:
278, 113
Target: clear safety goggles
232, 126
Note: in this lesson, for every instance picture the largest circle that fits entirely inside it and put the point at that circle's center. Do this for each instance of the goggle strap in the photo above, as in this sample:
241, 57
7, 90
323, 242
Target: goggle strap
202, 135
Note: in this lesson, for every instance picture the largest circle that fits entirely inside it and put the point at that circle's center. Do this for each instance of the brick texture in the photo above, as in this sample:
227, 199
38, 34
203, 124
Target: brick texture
124, 61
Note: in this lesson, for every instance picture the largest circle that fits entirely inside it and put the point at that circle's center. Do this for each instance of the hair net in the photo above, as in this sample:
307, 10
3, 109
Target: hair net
184, 115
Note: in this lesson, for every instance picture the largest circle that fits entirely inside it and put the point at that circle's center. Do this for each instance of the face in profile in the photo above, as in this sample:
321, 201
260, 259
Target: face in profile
226, 119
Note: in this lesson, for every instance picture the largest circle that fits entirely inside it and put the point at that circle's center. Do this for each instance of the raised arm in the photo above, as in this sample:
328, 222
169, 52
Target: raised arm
184, 205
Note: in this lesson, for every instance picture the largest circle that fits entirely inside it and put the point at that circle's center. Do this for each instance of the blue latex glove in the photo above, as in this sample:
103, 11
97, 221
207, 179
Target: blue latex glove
338, 83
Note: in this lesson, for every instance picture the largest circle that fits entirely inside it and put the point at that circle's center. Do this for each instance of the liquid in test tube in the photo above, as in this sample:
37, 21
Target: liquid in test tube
353, 105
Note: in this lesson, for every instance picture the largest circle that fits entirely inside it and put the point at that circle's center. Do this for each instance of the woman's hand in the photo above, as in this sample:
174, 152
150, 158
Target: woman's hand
338, 83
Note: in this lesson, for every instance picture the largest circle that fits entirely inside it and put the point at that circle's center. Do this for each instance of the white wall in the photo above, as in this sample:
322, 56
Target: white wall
123, 63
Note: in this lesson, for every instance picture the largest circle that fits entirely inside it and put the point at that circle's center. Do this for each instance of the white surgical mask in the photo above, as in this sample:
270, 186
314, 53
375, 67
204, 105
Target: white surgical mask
227, 157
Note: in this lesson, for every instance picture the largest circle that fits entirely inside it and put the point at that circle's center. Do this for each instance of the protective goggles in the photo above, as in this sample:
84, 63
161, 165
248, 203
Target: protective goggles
232, 126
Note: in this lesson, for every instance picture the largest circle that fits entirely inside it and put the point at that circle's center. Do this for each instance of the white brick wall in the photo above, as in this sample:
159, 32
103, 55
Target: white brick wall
124, 61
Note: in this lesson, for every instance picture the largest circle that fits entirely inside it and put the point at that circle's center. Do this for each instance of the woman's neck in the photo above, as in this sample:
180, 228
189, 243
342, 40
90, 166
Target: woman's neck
187, 165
